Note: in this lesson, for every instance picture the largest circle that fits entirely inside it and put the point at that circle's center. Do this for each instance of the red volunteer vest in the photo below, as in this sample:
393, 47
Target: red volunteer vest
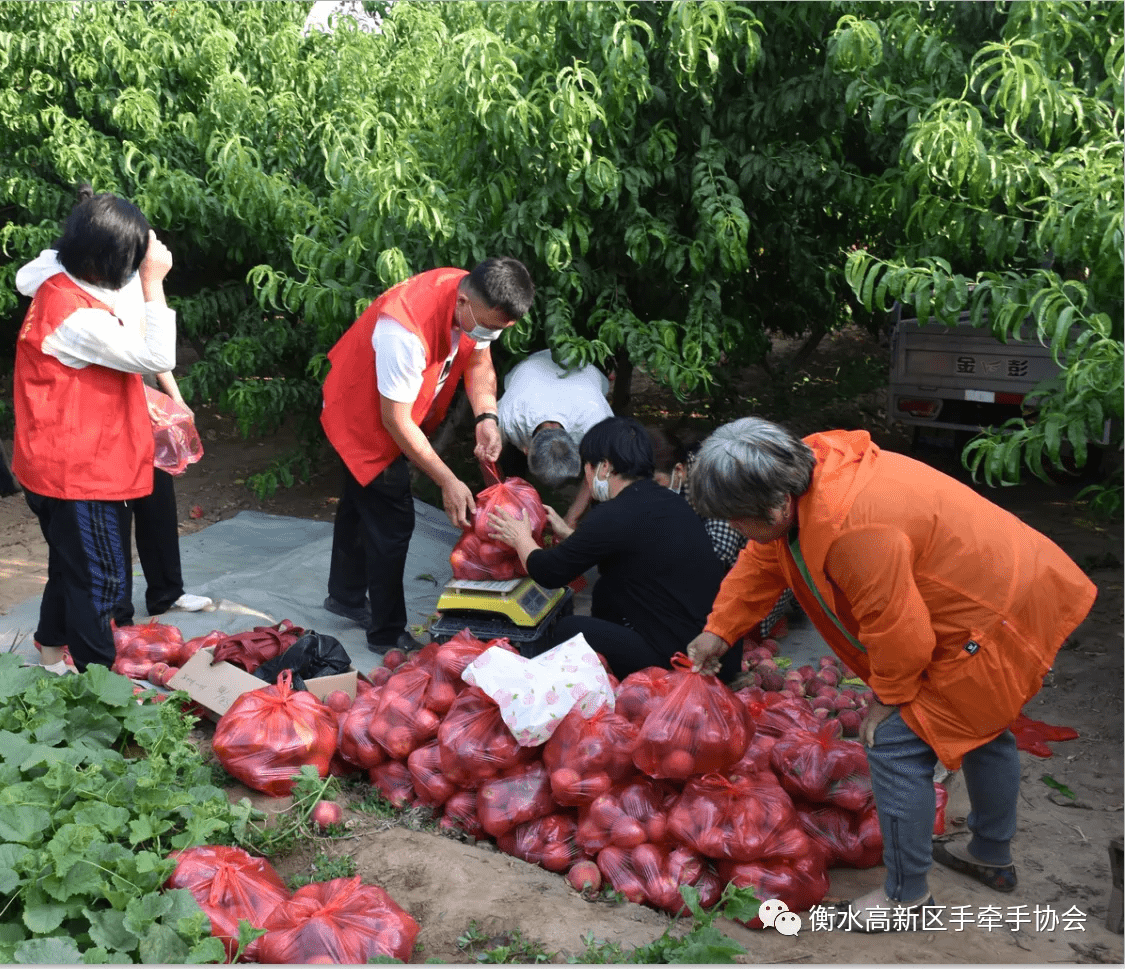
351, 416
83, 435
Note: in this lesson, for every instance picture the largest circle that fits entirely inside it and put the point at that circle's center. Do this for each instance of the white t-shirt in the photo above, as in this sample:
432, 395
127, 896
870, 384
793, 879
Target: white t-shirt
539, 390
400, 360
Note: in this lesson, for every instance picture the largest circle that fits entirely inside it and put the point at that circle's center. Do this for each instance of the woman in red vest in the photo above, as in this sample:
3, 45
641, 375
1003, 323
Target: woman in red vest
393, 376
83, 444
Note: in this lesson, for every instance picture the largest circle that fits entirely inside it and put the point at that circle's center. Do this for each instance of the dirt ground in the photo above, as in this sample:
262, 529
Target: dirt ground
1061, 848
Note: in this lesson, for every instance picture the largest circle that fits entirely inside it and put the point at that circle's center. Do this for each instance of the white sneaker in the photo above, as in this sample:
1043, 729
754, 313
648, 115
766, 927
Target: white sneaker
189, 603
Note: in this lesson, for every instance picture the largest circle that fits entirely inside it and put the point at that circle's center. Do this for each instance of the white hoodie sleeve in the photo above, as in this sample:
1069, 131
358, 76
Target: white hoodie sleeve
116, 340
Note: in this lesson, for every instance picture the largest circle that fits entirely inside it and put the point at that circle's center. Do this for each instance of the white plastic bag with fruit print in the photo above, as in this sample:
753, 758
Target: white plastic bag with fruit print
535, 694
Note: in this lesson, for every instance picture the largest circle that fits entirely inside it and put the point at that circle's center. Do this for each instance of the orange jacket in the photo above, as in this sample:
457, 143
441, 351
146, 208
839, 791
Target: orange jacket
961, 607
81, 434
352, 416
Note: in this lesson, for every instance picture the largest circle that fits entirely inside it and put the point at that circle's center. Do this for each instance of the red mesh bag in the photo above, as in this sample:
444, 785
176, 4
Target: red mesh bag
699, 727
393, 781
587, 757
836, 832
661, 870
473, 558
250, 650
138, 647
799, 882
515, 496
431, 786
810, 765
641, 692
775, 714
474, 743
521, 793
629, 814
757, 756
229, 884
743, 819
174, 435
448, 663
548, 841
193, 646
341, 921
461, 814
268, 735
401, 722
356, 744
476, 556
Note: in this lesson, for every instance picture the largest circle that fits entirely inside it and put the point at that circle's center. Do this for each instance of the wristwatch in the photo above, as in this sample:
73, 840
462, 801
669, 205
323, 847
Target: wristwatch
487, 416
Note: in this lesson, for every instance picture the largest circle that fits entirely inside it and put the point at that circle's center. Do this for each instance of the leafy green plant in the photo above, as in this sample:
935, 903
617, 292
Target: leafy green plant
325, 868
703, 943
502, 948
87, 827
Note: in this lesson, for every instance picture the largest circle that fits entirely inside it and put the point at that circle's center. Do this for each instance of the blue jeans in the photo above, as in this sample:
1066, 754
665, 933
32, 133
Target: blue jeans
902, 779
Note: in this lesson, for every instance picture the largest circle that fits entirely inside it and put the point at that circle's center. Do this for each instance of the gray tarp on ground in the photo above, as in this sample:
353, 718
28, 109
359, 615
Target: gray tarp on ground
276, 565
279, 565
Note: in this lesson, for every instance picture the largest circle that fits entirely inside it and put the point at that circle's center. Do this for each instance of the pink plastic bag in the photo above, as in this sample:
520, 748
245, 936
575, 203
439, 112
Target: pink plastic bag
173, 432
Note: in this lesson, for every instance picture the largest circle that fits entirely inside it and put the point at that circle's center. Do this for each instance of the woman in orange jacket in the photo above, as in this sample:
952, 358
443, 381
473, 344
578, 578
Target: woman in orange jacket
948, 607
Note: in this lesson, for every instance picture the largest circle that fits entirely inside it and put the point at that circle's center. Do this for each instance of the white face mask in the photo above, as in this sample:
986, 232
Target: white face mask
599, 488
674, 485
480, 333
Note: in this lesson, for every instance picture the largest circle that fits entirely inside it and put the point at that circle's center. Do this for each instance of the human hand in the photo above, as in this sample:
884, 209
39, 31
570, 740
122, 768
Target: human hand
457, 500
489, 442
559, 525
876, 713
705, 651
157, 261
505, 527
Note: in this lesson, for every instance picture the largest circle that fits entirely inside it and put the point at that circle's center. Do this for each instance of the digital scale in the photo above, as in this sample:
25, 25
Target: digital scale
519, 609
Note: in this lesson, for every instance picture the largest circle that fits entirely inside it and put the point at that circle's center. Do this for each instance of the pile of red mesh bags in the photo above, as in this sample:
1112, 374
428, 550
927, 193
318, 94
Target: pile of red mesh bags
681, 782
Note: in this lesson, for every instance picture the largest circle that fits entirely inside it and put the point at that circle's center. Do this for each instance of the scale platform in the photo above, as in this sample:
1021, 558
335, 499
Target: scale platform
520, 609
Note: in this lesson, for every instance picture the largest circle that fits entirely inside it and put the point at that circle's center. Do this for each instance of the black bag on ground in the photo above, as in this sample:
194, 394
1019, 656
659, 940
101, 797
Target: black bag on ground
313, 655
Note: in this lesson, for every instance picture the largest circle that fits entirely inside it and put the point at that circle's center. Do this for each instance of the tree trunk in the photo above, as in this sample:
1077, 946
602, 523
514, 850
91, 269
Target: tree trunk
622, 383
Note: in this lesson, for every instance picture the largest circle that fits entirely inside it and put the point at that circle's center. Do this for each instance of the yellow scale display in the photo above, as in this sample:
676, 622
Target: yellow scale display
522, 601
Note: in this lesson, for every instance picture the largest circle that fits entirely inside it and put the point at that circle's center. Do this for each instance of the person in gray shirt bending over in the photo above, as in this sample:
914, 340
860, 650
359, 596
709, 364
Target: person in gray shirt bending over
545, 412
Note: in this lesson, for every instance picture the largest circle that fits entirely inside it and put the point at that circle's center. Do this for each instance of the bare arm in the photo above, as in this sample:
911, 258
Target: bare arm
456, 497
581, 502
480, 387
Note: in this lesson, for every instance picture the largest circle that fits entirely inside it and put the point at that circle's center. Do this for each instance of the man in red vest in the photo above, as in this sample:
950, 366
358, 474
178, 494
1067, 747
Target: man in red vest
394, 373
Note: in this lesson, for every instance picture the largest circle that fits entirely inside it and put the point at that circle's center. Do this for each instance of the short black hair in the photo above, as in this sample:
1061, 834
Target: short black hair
104, 239
503, 283
621, 441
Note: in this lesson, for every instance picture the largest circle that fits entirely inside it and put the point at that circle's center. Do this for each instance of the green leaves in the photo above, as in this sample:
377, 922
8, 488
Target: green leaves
85, 833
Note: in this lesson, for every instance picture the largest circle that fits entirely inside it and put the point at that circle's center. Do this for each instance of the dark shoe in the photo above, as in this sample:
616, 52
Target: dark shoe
407, 643
360, 615
880, 915
999, 878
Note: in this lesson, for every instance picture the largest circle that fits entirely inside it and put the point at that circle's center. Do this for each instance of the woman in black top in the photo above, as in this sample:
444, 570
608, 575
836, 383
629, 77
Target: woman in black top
657, 571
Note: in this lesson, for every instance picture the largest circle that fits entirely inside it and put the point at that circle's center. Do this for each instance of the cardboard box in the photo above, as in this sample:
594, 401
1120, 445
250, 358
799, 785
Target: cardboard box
215, 686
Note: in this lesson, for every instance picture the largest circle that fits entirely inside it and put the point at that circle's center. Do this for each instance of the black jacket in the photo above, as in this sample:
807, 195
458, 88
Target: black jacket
657, 570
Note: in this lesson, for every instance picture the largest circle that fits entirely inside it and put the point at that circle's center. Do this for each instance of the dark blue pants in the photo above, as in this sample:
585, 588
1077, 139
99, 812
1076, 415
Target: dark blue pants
86, 574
